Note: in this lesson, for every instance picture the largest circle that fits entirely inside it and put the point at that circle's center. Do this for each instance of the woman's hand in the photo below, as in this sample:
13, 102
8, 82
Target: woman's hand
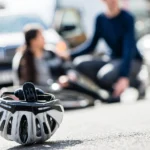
121, 85
63, 54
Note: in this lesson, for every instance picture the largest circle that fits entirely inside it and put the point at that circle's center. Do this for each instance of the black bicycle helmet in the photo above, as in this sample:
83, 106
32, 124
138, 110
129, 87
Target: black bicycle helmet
32, 119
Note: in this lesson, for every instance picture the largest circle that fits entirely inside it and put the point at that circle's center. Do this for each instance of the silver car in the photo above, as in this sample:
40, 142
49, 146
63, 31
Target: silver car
11, 37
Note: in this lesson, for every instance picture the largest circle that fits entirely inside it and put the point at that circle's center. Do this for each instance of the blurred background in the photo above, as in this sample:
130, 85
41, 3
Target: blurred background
66, 24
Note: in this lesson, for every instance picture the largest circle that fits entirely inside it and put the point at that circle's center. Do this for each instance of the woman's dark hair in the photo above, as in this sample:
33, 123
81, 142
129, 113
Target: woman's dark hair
30, 33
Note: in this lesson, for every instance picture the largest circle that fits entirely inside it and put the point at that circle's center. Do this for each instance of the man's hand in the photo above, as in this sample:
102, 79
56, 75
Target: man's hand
63, 81
121, 85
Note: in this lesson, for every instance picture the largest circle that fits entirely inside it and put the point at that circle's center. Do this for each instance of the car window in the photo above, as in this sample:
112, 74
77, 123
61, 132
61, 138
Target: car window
11, 24
71, 17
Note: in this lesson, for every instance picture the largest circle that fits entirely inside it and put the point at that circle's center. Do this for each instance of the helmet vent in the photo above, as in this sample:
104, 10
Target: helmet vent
9, 126
2, 125
1, 114
23, 129
45, 128
51, 122
38, 128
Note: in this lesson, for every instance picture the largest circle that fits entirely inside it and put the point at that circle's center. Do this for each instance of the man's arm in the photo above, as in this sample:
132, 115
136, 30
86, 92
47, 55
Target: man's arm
129, 48
89, 45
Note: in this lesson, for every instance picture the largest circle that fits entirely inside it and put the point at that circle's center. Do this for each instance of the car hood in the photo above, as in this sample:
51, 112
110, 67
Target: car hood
10, 39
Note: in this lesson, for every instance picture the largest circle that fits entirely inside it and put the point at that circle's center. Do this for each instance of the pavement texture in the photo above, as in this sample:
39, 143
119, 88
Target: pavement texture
103, 127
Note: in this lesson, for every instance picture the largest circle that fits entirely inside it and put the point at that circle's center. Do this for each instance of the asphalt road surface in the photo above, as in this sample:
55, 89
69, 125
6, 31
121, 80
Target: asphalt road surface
103, 127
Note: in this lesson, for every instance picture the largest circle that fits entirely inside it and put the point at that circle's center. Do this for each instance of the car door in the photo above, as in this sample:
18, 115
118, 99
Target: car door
67, 23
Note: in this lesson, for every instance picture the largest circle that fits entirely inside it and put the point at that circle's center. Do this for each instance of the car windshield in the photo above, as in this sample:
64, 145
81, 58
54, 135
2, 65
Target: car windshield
16, 23
44, 9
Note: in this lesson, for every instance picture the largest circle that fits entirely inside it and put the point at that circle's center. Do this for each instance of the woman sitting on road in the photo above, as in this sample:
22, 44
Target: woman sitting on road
31, 60
32, 63
116, 27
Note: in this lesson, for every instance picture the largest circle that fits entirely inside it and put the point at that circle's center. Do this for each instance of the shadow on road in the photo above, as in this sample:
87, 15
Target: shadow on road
49, 145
